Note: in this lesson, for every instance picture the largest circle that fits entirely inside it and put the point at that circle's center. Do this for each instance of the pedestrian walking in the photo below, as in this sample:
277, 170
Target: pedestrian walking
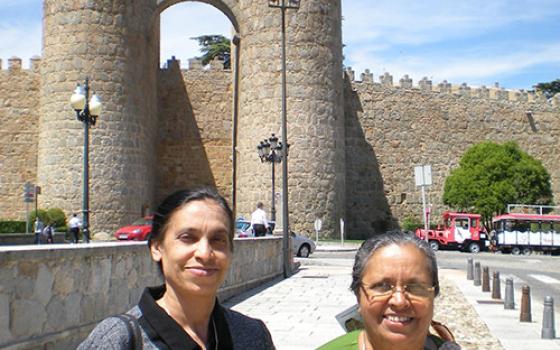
258, 221
75, 225
48, 233
38, 228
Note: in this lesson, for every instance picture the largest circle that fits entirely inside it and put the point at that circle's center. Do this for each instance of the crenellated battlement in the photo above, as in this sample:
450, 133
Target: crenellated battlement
495, 92
15, 64
195, 64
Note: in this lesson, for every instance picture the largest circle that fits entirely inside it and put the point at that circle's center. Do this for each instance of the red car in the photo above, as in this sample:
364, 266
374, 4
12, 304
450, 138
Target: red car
139, 230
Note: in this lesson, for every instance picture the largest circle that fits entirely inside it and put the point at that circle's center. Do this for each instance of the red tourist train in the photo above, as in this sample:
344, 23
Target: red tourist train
461, 231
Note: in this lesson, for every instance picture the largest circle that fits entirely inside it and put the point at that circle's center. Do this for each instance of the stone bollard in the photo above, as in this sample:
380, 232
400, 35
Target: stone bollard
496, 289
548, 331
525, 315
477, 274
485, 279
470, 276
509, 302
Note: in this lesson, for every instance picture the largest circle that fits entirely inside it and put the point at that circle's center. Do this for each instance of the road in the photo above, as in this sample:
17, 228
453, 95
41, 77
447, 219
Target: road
540, 272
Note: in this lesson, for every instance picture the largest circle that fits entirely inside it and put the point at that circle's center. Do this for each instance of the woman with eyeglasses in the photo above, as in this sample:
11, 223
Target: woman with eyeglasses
395, 279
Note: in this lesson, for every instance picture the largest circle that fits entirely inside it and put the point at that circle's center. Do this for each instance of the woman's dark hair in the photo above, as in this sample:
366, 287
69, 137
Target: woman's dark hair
180, 198
369, 247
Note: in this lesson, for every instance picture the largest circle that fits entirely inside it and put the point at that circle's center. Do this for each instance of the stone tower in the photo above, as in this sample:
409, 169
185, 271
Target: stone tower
314, 110
116, 44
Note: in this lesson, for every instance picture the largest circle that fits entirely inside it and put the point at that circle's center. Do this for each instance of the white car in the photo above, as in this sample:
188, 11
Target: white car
301, 245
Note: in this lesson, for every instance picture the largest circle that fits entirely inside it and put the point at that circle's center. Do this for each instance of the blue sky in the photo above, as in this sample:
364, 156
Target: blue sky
480, 42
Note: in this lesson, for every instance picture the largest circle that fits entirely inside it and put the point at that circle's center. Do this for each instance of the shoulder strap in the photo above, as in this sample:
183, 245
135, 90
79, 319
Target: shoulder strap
134, 332
442, 331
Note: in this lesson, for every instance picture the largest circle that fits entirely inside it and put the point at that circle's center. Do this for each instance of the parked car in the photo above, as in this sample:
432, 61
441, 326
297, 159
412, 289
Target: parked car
243, 228
139, 230
301, 245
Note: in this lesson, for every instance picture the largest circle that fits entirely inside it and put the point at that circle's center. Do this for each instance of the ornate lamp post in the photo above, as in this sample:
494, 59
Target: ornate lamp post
270, 150
87, 111
283, 5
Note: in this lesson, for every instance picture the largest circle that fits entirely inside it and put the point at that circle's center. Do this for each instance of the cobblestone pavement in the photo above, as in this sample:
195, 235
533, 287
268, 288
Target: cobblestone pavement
453, 310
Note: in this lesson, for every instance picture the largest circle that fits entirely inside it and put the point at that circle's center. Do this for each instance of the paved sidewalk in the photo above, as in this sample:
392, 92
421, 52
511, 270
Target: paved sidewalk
505, 324
300, 311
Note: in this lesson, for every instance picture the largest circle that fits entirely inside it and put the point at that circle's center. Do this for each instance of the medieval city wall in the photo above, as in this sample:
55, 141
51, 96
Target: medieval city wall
195, 128
19, 119
390, 129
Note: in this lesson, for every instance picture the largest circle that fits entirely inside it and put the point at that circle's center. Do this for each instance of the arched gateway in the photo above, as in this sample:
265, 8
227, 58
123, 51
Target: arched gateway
116, 44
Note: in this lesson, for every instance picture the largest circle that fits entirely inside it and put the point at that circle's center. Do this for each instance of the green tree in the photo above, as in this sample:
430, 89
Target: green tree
213, 46
492, 175
549, 89
56, 217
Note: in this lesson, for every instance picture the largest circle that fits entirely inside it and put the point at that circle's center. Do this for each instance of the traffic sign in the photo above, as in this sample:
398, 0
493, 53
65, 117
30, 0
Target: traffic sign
28, 192
318, 223
423, 175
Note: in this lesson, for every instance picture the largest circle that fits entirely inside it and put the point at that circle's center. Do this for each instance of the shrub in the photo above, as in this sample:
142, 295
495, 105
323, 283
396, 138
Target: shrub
56, 217
12, 226
41, 213
411, 223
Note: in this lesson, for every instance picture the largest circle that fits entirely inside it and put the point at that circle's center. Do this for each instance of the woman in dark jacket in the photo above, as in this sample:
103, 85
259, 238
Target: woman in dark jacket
192, 242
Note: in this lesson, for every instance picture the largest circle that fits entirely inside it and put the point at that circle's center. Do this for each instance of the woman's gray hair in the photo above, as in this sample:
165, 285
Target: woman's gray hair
369, 247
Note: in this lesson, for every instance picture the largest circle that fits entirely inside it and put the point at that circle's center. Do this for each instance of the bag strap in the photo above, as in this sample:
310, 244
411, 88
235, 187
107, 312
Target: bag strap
133, 329
442, 331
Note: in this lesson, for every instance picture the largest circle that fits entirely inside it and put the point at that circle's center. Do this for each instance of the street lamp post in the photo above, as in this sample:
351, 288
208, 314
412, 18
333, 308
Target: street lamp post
283, 5
270, 150
87, 111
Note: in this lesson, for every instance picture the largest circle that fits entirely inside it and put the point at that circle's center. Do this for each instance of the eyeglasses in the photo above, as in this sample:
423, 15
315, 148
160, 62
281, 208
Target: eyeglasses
383, 290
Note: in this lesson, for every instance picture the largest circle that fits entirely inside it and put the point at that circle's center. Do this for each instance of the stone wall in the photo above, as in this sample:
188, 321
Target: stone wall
195, 128
391, 129
19, 120
52, 296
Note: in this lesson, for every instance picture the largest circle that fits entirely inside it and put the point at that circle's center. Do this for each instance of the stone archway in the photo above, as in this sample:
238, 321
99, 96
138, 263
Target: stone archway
115, 44
196, 121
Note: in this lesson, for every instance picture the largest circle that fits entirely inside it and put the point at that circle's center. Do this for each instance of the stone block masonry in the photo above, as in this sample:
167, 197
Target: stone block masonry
391, 129
51, 296
195, 128
19, 132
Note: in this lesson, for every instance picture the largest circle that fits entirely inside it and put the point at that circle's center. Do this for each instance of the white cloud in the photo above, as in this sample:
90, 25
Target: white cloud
414, 22
448, 39
475, 67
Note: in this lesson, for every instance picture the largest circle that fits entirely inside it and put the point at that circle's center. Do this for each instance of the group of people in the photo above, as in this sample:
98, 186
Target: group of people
394, 279
47, 231
42, 230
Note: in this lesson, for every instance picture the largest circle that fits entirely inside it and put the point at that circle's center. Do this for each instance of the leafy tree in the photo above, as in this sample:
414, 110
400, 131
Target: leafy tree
492, 175
549, 89
214, 46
